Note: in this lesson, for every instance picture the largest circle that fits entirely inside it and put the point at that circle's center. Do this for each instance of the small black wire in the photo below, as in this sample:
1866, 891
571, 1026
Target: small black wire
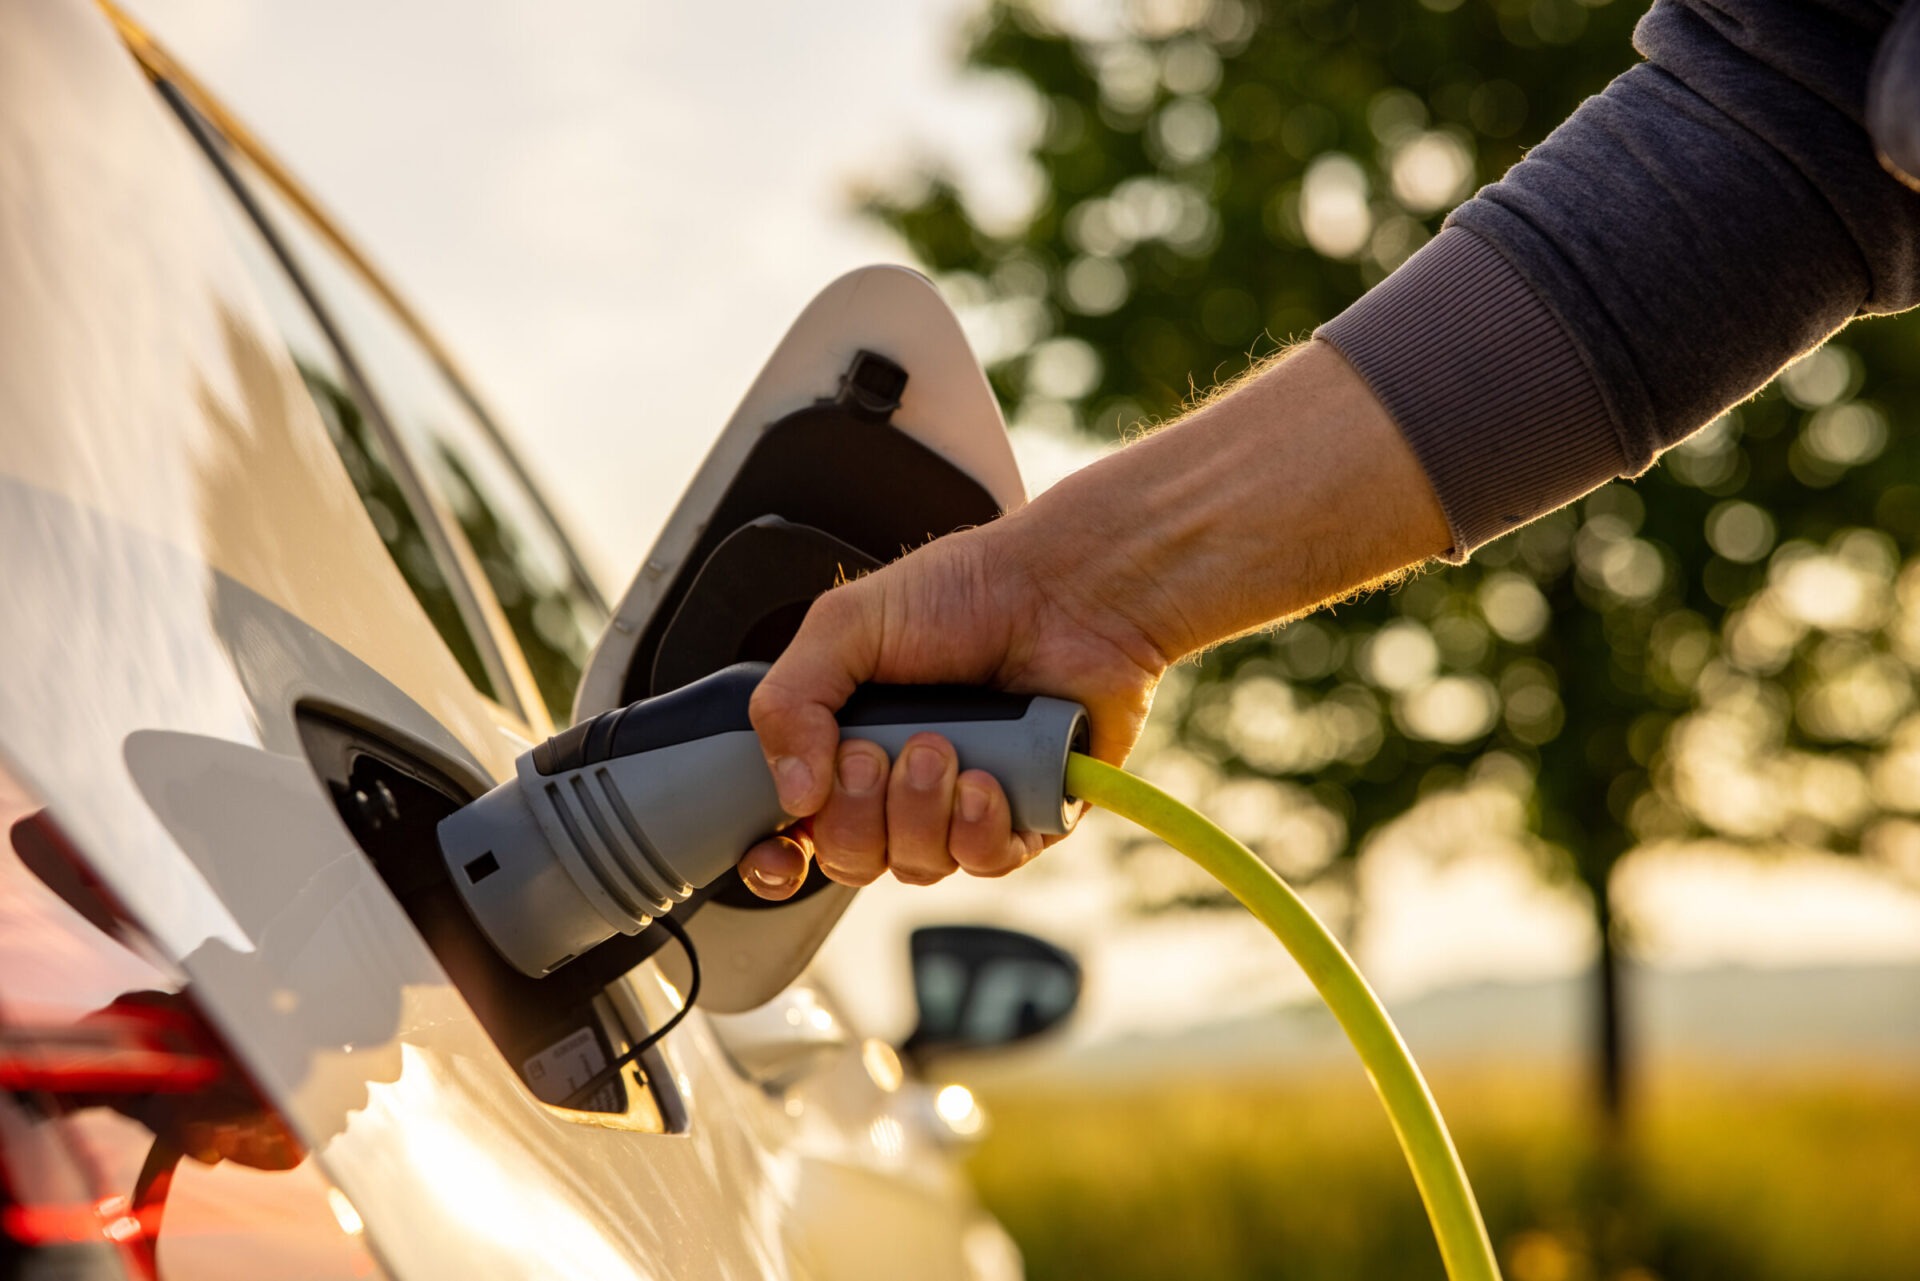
653, 1038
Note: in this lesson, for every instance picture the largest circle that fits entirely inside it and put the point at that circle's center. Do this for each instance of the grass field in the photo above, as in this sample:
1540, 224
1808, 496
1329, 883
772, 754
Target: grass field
1754, 1176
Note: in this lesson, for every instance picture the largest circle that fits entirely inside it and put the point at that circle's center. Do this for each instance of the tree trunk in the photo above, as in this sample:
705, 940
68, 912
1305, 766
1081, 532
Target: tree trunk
1616, 1240
1610, 1062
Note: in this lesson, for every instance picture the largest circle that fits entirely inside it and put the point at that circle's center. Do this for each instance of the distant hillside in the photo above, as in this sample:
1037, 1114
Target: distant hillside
1862, 1015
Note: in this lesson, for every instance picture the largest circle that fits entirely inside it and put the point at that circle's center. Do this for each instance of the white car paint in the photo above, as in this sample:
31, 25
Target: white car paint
188, 563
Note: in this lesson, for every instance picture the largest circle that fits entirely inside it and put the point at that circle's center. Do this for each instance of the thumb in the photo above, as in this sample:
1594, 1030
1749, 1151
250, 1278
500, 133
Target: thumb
835, 650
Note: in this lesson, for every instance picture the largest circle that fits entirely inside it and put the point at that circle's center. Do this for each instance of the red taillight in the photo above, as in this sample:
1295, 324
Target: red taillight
51, 1202
82, 1223
127, 1047
115, 1090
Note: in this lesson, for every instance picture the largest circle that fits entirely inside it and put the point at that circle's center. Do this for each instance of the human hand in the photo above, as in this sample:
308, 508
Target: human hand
1291, 489
978, 607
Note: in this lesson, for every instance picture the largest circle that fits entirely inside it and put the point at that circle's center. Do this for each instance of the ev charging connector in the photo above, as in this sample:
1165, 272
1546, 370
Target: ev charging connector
618, 819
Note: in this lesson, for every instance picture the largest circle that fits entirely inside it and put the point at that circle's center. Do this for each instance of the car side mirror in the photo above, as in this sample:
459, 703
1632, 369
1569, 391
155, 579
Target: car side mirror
979, 988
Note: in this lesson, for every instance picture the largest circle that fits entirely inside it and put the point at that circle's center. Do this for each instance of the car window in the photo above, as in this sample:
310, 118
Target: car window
554, 612
367, 459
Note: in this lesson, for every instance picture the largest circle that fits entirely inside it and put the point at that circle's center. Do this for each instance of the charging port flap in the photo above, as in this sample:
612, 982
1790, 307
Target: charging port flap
870, 431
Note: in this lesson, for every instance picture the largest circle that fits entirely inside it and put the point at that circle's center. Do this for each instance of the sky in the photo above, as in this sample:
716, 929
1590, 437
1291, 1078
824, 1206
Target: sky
611, 211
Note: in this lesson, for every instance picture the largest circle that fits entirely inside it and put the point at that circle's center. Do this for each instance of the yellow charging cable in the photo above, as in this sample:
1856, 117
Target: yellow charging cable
1464, 1247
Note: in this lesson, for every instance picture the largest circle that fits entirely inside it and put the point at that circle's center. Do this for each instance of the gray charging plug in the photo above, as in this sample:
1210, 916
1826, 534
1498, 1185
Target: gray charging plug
618, 819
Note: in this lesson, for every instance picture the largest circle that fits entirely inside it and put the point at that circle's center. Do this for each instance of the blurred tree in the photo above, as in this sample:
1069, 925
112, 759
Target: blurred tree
1721, 648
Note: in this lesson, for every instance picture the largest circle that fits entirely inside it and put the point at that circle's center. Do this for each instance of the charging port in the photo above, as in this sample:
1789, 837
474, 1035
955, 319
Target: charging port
555, 1031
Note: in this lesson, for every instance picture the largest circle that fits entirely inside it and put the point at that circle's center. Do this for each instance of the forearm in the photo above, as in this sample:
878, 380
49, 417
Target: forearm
1712, 215
1293, 489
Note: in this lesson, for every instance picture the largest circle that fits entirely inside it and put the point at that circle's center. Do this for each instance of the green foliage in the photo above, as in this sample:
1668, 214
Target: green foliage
1724, 646
1171, 237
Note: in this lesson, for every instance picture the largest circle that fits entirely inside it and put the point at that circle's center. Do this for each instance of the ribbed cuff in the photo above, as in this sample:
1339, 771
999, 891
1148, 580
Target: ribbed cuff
1485, 383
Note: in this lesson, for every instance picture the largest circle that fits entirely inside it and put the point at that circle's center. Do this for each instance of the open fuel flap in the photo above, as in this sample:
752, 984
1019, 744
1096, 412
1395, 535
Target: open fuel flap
870, 431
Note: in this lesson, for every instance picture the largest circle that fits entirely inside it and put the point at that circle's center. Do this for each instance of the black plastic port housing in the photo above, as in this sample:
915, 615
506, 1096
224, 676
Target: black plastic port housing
834, 489
392, 801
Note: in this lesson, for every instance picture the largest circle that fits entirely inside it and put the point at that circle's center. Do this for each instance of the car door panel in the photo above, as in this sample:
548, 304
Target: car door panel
188, 565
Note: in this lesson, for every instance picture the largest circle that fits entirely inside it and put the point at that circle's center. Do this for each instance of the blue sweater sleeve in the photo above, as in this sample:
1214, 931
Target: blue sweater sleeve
1716, 212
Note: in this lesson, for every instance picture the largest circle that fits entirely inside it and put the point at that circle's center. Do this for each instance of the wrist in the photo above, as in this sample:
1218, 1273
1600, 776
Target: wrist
1292, 489
1097, 549
1065, 560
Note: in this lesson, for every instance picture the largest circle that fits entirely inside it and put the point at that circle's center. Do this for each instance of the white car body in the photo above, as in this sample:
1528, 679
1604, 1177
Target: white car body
190, 570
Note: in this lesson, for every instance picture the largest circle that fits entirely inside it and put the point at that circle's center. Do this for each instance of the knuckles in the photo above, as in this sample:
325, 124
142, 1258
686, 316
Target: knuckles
855, 875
